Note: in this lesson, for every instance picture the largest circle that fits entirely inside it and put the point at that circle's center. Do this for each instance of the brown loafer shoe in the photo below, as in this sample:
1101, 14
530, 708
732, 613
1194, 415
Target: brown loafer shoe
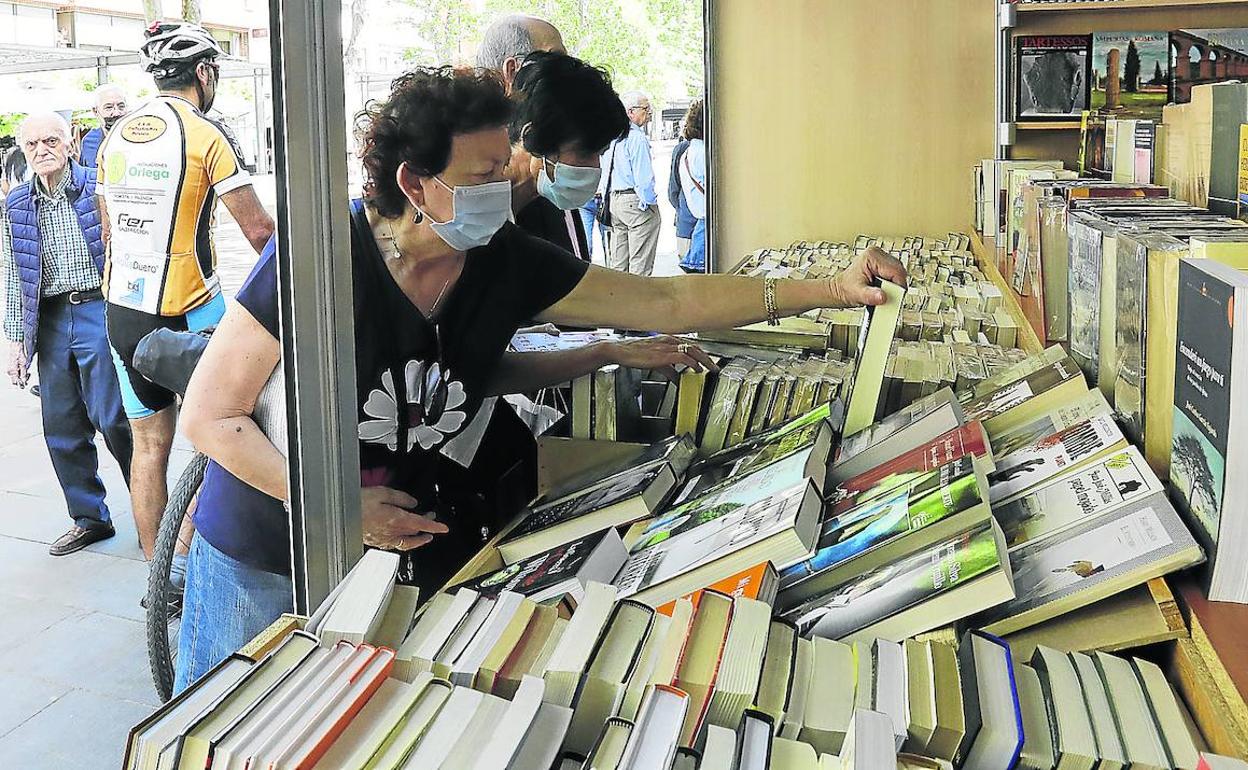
78, 538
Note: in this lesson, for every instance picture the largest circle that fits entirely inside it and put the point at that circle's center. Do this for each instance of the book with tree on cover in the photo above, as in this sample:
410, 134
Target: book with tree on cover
1208, 461
947, 499
1143, 73
968, 571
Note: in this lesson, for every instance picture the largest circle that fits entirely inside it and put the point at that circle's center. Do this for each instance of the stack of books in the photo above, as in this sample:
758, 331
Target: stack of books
717, 683
948, 299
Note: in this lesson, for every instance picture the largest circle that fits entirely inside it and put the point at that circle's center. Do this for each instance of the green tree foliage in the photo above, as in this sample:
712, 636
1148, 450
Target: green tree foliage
1189, 455
1131, 69
445, 25
637, 41
1158, 78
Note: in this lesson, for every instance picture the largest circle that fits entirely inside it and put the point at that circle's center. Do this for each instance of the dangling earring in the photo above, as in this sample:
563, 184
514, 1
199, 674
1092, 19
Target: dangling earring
418, 217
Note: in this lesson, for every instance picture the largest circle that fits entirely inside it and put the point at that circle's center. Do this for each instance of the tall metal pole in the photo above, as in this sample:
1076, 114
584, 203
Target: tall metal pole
315, 278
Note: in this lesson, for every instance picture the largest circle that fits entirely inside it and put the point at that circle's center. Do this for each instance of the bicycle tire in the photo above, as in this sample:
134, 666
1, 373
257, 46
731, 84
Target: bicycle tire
160, 651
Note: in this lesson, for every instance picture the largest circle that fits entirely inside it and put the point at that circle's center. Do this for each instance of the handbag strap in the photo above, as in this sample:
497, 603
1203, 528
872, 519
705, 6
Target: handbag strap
615, 144
696, 184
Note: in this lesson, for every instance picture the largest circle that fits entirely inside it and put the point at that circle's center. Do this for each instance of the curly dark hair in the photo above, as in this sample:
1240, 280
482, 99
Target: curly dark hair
564, 101
426, 109
695, 127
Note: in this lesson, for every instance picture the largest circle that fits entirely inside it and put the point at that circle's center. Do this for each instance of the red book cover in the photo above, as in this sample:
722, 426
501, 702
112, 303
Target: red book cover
968, 439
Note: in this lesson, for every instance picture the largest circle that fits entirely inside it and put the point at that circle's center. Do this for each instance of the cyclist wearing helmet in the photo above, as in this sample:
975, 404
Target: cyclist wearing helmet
162, 169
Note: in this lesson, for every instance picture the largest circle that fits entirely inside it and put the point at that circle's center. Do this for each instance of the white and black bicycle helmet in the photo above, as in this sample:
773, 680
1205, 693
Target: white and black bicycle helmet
172, 46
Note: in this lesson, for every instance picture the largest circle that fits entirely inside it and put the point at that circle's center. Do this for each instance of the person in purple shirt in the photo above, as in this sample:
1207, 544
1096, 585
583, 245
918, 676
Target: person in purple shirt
628, 174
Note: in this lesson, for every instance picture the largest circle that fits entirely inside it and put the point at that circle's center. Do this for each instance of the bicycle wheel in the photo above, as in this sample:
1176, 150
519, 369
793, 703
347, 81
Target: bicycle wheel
163, 619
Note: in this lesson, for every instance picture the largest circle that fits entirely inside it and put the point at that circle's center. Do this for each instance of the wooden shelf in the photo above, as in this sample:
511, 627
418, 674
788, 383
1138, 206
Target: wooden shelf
1047, 125
1116, 5
1213, 667
1028, 340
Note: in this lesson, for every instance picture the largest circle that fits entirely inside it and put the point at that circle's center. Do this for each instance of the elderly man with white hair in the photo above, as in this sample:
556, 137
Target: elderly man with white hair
54, 314
628, 174
511, 38
110, 106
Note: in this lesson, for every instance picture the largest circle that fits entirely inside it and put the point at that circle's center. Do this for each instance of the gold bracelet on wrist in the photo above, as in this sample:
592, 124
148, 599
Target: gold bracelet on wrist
769, 301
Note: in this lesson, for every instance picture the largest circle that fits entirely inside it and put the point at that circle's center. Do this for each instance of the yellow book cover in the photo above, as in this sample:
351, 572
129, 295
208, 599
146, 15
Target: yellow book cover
1243, 169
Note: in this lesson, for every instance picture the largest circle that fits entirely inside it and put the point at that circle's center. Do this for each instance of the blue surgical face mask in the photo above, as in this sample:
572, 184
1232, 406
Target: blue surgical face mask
572, 187
480, 210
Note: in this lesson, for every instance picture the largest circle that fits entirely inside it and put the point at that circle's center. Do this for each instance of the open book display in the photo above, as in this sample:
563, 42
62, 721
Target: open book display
797, 600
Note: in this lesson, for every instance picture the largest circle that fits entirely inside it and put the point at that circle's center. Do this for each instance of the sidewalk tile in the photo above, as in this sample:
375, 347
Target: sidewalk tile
94, 651
24, 697
87, 580
25, 618
82, 730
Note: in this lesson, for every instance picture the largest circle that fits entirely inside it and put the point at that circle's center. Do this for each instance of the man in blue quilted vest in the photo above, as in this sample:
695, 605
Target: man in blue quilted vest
54, 315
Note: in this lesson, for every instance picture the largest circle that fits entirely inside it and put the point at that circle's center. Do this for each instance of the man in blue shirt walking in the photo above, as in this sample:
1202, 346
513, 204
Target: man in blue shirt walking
634, 204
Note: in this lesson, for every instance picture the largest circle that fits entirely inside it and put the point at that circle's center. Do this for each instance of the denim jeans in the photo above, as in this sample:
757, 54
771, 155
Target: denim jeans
79, 396
227, 603
694, 260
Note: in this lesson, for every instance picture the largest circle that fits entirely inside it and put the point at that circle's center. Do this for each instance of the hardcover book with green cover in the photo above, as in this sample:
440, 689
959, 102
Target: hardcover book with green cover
1142, 70
1097, 559
876, 340
693, 549
941, 502
965, 440
1208, 470
950, 580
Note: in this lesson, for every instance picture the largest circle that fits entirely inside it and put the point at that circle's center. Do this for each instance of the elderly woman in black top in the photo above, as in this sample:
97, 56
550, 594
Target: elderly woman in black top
442, 281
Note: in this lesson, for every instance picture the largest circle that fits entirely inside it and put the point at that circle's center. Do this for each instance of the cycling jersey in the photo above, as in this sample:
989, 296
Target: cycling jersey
163, 167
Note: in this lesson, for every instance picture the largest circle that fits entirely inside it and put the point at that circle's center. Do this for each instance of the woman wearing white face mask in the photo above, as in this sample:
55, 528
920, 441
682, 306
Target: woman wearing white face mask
442, 281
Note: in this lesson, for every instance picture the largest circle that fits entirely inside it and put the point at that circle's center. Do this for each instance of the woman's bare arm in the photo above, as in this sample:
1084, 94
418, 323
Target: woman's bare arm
700, 303
217, 412
527, 372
